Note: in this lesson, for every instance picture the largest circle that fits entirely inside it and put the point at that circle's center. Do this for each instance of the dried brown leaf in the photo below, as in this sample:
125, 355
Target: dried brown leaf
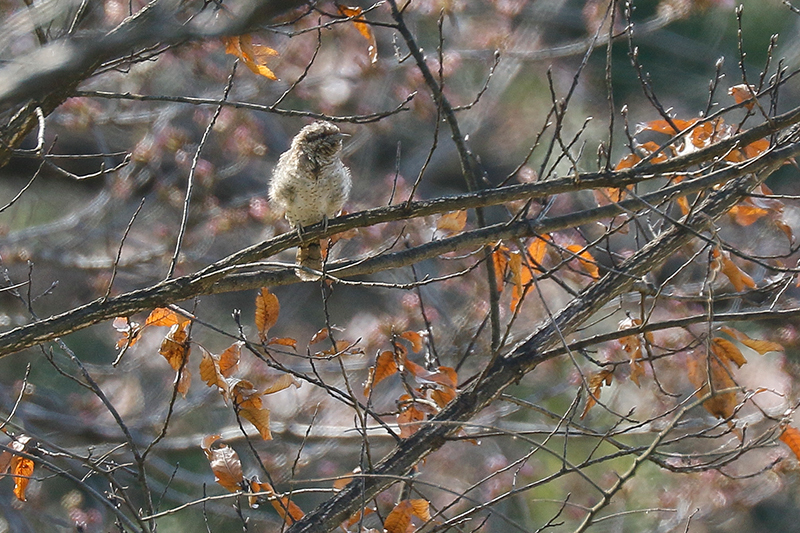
452, 223
757, 345
416, 339
162, 317
385, 366
399, 519
286, 509
225, 463
363, 28
267, 310
791, 437
585, 259
596, 382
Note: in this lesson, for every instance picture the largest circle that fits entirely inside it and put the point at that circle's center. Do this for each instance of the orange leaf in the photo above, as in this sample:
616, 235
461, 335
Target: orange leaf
267, 310
727, 351
683, 203
224, 463
399, 520
319, 336
415, 338
287, 509
283, 382
250, 406
210, 372
626, 162
756, 148
343, 347
443, 396
537, 249
131, 331
21, 471
662, 126
738, 277
174, 347
229, 359
259, 418
284, 341
357, 517
595, 383
252, 55
500, 260
162, 317
722, 405
791, 437
515, 268
451, 223
245, 394
586, 260
745, 214
363, 29
183, 380
385, 366
742, 93
409, 420
757, 345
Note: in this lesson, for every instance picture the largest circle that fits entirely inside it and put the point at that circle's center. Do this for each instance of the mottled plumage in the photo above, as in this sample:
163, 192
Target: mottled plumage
311, 184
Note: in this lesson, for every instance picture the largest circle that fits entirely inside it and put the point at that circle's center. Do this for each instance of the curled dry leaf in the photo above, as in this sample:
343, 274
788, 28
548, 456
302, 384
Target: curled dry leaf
399, 520
21, 471
214, 369
452, 223
286, 509
254, 56
585, 259
500, 260
363, 28
162, 316
722, 404
267, 310
727, 352
791, 437
757, 345
284, 341
21, 468
596, 382
131, 331
175, 350
342, 347
224, 463
410, 419
385, 366
250, 406
357, 517
319, 336
416, 338
633, 345
740, 279
743, 93
283, 382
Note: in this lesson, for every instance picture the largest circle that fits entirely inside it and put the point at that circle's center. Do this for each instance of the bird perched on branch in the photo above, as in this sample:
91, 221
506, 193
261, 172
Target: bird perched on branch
311, 184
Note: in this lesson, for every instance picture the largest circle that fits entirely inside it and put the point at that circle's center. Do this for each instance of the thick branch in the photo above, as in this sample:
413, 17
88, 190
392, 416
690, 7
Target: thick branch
212, 279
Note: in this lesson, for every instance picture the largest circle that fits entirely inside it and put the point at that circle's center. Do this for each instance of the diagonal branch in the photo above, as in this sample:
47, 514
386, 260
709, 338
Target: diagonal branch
218, 277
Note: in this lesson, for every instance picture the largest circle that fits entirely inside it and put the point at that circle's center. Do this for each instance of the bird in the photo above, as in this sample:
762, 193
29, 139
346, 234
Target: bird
310, 184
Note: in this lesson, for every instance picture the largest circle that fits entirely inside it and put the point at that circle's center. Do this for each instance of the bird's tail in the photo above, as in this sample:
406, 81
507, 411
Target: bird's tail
309, 255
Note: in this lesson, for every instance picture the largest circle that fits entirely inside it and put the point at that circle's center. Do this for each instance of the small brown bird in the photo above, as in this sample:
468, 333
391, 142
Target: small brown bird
311, 184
